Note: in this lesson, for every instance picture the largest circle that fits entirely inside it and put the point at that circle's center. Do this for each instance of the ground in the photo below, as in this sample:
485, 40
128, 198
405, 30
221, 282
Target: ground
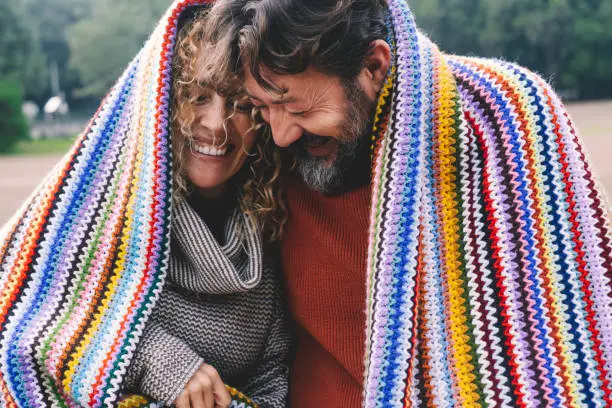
19, 175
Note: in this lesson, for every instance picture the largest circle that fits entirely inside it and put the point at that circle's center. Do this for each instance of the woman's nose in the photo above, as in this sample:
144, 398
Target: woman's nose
213, 116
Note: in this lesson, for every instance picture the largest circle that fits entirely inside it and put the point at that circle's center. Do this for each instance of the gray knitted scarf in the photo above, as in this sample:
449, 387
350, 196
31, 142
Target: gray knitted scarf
208, 266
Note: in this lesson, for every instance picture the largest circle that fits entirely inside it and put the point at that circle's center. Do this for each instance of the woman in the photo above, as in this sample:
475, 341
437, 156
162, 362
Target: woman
219, 314
104, 295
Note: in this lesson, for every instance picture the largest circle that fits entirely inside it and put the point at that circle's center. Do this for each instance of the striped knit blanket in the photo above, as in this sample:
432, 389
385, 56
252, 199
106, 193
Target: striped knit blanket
490, 266
489, 256
83, 262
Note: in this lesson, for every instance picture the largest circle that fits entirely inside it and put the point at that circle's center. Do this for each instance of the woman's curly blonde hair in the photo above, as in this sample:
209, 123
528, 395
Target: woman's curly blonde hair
202, 61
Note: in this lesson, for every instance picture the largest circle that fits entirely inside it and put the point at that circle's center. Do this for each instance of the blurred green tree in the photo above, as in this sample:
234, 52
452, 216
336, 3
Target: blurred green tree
566, 41
13, 125
455, 24
20, 58
49, 20
589, 65
103, 44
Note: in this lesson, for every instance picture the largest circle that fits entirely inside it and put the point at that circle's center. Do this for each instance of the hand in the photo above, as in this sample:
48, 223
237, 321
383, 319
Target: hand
205, 389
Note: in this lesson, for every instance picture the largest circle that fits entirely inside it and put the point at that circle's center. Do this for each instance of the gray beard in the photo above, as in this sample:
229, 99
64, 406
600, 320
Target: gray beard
351, 166
328, 178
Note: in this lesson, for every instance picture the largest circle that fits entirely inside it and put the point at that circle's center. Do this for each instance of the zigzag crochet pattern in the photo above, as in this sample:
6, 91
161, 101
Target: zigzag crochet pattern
489, 267
84, 261
489, 255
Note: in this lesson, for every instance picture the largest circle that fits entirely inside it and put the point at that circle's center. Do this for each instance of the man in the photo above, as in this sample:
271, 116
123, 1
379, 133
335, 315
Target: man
447, 196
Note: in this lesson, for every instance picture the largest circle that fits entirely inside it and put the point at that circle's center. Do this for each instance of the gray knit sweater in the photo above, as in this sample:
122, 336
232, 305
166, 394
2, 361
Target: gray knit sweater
220, 306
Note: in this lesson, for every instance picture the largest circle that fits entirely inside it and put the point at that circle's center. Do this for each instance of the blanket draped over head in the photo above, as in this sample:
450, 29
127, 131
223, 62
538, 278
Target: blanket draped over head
489, 267
83, 262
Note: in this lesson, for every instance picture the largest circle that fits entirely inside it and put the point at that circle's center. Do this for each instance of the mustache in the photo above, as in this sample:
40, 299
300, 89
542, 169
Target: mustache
310, 140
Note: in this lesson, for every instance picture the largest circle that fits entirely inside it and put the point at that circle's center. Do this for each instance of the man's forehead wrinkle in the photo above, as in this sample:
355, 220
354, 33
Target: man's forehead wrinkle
309, 96
327, 89
313, 94
278, 98
282, 91
276, 88
260, 91
317, 96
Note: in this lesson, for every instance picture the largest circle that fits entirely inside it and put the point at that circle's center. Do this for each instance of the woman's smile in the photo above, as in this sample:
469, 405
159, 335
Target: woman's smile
208, 149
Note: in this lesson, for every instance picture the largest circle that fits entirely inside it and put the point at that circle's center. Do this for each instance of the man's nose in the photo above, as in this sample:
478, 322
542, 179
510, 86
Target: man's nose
284, 131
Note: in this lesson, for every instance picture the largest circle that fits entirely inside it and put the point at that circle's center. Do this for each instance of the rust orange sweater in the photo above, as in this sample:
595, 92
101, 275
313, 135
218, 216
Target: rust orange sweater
324, 255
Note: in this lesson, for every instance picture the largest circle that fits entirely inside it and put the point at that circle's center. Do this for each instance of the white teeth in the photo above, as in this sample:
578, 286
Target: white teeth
210, 150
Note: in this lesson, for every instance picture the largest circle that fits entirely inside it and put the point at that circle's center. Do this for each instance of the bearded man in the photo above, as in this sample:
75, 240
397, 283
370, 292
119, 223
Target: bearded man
448, 197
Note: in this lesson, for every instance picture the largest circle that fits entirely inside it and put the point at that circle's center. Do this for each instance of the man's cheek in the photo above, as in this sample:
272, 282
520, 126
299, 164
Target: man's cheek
325, 129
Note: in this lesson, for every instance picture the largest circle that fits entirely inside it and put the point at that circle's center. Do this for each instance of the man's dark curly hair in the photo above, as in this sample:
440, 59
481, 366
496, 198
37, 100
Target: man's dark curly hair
288, 36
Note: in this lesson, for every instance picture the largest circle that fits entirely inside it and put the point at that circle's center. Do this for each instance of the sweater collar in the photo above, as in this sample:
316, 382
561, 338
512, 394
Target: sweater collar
205, 266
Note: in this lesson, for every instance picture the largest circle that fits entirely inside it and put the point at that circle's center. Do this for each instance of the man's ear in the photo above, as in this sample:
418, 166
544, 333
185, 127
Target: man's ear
375, 67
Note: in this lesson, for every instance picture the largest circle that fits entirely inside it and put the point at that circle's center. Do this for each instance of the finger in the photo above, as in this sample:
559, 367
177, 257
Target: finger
222, 397
183, 400
208, 398
223, 400
204, 392
210, 371
197, 399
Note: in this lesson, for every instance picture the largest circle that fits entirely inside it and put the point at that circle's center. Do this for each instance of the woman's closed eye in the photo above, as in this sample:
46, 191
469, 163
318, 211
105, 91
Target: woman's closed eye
258, 106
201, 99
243, 106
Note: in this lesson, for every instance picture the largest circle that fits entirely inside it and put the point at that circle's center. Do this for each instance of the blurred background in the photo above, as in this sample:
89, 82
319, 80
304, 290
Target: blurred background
58, 58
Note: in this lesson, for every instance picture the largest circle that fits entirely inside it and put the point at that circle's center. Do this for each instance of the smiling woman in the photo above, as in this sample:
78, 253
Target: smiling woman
158, 281
215, 134
225, 194
214, 131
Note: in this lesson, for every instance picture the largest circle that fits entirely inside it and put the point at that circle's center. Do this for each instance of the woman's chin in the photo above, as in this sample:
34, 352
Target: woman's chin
210, 172
209, 188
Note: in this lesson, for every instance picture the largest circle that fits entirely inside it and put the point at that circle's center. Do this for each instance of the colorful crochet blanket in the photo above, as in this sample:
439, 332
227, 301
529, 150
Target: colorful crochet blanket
489, 275
489, 256
83, 262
